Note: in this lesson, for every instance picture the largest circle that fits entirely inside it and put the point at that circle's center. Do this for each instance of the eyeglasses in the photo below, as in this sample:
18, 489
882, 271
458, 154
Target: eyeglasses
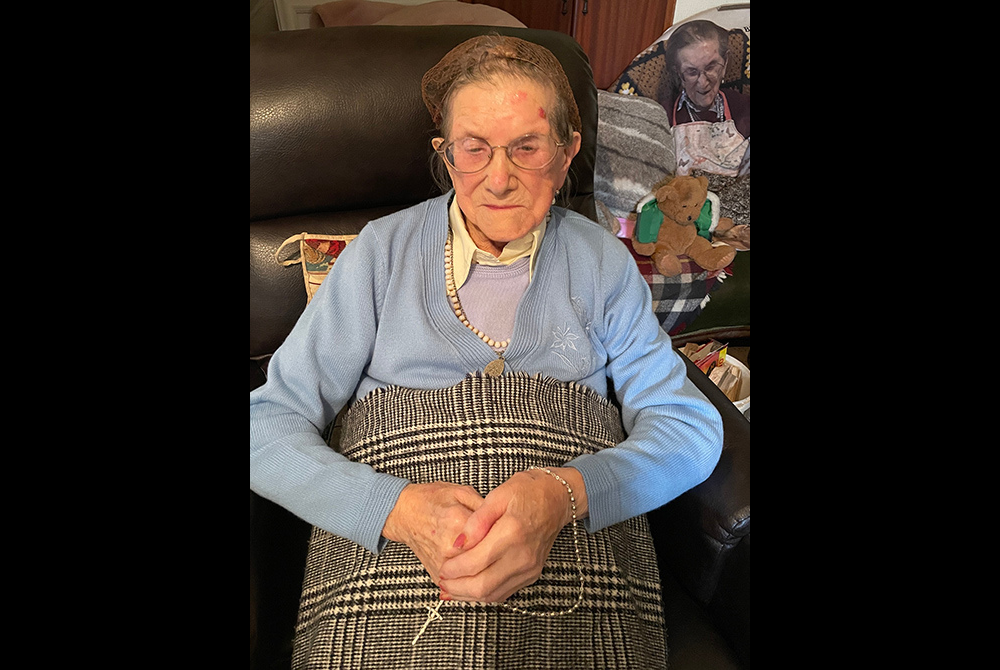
713, 71
471, 154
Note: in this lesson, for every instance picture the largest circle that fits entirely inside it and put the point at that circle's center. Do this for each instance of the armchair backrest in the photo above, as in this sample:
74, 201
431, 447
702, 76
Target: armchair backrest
339, 136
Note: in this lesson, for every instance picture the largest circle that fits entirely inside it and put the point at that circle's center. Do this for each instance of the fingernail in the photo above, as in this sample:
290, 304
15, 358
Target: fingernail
460, 541
445, 596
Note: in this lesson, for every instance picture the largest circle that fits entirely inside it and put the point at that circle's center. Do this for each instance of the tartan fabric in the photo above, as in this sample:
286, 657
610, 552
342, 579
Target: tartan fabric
678, 300
360, 610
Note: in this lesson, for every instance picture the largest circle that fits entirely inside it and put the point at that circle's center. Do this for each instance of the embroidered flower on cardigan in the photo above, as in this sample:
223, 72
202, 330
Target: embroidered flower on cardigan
581, 311
564, 339
564, 346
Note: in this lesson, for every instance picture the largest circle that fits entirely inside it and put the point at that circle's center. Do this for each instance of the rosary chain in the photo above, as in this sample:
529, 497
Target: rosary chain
434, 612
576, 548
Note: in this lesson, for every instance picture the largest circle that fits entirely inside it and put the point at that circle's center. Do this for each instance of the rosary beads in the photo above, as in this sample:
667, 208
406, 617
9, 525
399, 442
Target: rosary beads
434, 613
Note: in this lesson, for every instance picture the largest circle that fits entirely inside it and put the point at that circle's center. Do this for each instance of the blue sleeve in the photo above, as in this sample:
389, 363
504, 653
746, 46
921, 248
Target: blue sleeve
674, 433
310, 378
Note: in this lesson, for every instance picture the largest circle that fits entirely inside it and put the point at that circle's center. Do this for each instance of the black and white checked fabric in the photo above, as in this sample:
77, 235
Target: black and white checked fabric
360, 610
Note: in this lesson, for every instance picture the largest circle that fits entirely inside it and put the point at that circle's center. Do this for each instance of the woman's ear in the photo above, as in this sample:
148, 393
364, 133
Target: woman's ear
575, 145
572, 149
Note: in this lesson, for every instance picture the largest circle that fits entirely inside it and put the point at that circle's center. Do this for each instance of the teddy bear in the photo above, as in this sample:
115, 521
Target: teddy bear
681, 200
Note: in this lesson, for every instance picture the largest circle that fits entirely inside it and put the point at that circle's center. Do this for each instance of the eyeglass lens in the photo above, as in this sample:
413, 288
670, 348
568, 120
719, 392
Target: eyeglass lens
471, 154
711, 72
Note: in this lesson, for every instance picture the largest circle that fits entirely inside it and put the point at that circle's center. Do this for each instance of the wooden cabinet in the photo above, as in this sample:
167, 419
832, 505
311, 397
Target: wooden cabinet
611, 32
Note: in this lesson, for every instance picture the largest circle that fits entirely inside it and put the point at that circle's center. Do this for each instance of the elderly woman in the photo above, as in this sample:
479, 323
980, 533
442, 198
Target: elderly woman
484, 507
711, 127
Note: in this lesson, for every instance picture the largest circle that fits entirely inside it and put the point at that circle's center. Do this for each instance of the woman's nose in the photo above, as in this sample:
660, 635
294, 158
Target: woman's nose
499, 172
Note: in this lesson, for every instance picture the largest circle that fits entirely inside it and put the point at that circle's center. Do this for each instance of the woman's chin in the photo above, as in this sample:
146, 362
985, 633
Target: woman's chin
703, 100
506, 225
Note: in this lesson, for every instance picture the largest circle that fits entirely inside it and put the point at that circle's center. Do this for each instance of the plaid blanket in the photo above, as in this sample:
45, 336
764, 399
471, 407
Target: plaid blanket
360, 610
678, 300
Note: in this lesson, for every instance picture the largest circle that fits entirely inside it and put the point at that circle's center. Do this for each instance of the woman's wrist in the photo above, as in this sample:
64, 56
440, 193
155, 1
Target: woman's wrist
575, 489
395, 523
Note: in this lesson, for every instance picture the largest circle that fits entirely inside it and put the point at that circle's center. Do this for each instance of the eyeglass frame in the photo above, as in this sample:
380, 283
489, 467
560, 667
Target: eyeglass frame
694, 74
505, 147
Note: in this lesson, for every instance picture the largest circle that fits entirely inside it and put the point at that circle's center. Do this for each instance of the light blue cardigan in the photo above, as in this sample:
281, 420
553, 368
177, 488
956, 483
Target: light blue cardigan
382, 318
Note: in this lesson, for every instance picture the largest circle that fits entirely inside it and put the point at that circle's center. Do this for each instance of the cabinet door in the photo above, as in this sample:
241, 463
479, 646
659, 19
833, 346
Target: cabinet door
542, 14
613, 32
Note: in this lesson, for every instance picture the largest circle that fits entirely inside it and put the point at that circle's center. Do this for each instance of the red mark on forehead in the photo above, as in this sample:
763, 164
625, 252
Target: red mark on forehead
541, 112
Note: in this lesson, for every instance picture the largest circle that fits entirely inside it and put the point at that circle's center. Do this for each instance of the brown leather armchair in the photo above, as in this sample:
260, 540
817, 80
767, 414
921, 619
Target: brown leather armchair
339, 136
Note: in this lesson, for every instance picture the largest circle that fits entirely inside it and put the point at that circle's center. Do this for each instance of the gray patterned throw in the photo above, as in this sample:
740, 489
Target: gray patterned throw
635, 150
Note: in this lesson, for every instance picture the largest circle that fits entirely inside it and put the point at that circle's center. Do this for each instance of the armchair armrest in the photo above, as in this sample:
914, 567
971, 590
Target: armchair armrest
696, 533
702, 538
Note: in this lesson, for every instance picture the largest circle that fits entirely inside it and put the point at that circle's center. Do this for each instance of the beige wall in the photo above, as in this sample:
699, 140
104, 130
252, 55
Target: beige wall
685, 8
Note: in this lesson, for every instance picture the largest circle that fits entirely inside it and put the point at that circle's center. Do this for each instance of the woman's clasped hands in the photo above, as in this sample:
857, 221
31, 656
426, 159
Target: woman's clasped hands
485, 549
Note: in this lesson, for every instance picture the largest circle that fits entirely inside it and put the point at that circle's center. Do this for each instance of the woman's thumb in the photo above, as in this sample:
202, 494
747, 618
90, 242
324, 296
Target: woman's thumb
479, 523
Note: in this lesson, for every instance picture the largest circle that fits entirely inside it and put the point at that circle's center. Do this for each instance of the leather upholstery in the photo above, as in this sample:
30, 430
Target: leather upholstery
339, 136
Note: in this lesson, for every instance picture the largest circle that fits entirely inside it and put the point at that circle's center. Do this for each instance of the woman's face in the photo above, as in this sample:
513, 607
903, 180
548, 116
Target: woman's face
503, 202
701, 70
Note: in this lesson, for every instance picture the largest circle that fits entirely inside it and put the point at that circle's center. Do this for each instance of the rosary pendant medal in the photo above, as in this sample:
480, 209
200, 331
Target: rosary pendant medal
494, 368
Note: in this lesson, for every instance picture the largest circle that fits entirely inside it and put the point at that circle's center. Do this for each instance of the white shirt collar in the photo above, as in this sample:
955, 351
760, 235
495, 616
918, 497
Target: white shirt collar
465, 253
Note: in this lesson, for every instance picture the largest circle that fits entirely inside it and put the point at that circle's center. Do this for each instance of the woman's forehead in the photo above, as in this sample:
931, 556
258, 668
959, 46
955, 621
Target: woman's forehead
517, 105
699, 54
